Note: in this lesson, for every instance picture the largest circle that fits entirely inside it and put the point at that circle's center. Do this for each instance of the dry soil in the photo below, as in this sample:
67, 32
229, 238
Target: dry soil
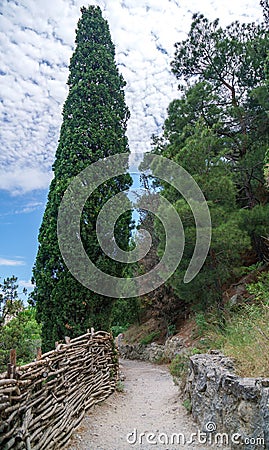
144, 416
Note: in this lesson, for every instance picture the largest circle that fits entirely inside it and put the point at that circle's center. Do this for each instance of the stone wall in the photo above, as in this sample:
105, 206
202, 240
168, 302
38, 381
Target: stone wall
224, 403
152, 352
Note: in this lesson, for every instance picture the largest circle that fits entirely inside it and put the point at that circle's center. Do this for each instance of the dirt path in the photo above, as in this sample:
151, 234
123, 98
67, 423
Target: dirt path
150, 403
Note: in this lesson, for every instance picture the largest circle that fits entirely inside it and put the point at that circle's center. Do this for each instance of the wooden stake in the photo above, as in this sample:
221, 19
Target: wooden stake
38, 353
11, 367
13, 357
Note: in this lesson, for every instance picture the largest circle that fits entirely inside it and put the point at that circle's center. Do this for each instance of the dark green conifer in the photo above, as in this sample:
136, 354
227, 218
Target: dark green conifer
94, 127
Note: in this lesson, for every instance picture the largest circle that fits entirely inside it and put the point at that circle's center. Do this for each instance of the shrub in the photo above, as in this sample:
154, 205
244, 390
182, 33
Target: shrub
22, 333
118, 329
179, 365
150, 338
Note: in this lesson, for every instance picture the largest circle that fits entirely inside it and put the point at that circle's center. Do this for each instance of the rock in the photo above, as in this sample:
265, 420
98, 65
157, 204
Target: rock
265, 382
152, 352
235, 405
173, 346
245, 410
233, 300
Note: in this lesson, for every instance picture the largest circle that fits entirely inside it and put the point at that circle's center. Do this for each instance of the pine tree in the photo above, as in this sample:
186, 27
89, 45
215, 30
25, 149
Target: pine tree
10, 303
94, 127
218, 131
230, 65
201, 156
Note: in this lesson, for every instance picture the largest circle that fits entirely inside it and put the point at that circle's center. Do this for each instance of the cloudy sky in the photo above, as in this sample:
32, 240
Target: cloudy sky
37, 40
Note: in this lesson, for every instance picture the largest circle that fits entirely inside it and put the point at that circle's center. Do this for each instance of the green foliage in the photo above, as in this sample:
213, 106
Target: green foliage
266, 168
218, 131
256, 223
151, 337
120, 386
187, 404
171, 330
162, 304
204, 161
215, 54
260, 289
251, 268
178, 365
118, 329
10, 304
94, 127
124, 313
22, 333
201, 323
245, 338
234, 92
244, 334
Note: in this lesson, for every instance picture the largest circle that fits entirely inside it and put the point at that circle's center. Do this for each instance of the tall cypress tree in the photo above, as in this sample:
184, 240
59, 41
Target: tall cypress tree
94, 127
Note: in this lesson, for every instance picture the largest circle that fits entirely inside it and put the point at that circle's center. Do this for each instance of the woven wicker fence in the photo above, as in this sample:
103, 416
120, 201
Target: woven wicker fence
41, 403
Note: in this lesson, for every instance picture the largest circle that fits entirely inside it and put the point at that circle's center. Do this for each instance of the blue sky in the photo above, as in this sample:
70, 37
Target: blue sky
37, 40
20, 219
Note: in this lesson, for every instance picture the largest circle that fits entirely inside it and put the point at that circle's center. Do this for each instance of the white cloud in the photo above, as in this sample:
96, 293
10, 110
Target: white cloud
18, 180
28, 208
26, 284
37, 41
11, 262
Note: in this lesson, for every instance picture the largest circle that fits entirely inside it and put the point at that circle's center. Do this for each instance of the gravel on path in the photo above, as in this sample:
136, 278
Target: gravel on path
144, 416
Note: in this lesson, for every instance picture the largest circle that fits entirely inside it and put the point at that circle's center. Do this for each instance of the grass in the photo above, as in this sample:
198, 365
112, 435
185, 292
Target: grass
245, 338
148, 339
120, 386
179, 366
242, 333
117, 329
187, 404
138, 332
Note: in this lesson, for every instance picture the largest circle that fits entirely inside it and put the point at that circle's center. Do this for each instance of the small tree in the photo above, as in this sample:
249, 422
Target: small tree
22, 332
10, 304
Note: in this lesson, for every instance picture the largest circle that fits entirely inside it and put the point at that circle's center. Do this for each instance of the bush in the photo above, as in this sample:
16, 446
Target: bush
201, 323
118, 329
260, 289
22, 333
179, 365
150, 338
